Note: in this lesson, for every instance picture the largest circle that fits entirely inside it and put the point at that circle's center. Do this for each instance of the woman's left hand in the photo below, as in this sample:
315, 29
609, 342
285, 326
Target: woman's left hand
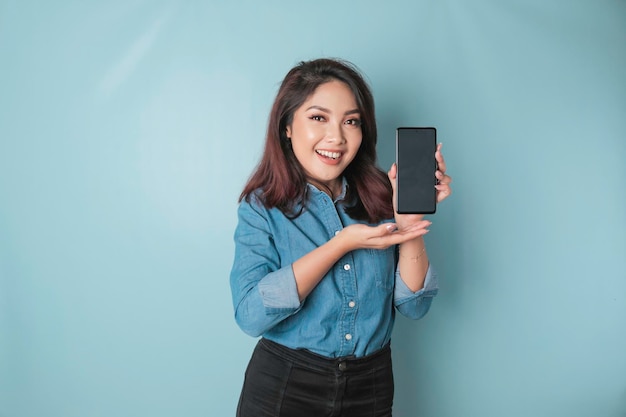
443, 190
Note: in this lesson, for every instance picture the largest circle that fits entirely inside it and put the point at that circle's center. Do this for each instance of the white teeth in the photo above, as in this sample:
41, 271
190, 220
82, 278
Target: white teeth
333, 155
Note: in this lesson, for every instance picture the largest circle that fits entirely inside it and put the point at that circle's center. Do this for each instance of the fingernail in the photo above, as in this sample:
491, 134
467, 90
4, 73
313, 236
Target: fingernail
392, 227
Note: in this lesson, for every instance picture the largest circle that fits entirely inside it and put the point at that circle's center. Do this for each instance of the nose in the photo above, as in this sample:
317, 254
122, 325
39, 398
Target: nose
335, 133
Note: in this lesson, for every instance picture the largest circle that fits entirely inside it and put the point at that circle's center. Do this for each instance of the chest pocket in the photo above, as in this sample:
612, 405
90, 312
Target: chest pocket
382, 265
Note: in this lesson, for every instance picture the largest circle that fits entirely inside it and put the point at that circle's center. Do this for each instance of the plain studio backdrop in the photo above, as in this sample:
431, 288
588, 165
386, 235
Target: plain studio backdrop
128, 128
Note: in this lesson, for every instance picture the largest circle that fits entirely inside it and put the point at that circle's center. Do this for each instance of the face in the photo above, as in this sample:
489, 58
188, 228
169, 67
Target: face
326, 133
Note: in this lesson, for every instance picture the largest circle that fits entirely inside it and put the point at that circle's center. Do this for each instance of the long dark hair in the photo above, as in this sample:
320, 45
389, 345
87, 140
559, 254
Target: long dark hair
280, 177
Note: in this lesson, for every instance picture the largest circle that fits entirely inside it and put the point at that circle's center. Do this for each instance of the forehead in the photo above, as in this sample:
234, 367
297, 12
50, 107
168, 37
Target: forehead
332, 94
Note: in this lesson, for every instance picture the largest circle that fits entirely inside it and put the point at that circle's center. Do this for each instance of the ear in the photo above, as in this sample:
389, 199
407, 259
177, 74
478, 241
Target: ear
288, 132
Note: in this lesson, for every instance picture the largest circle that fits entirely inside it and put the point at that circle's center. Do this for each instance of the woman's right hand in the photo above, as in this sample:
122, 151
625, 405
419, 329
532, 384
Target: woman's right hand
362, 236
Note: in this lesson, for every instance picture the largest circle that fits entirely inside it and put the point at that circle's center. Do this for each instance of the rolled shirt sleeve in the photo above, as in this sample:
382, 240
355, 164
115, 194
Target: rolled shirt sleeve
279, 292
264, 292
415, 305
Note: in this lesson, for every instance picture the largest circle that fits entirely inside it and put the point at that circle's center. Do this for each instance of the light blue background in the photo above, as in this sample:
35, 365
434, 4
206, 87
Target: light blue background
128, 128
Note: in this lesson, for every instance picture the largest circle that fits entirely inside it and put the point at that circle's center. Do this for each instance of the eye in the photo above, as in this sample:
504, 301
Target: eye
354, 122
317, 118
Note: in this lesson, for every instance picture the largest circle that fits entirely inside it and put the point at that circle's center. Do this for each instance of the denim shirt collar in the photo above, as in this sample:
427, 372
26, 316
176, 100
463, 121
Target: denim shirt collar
342, 194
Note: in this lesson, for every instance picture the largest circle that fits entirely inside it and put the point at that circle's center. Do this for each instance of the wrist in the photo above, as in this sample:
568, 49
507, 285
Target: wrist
412, 249
411, 256
409, 219
341, 243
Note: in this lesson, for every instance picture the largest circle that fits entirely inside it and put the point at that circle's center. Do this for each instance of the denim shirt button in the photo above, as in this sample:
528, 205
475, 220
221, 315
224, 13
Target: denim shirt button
351, 304
346, 267
348, 336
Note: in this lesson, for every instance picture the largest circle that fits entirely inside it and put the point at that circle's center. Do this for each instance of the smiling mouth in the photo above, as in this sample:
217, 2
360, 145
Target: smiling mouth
328, 154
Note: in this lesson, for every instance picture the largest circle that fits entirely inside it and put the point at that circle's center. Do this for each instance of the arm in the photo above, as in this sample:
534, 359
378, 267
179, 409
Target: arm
263, 291
413, 263
413, 259
416, 282
266, 292
310, 269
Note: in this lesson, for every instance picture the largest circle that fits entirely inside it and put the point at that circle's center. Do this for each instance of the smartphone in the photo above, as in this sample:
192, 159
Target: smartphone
415, 180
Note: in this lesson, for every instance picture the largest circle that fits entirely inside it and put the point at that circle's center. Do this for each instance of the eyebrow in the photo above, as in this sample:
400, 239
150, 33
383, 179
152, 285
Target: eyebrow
324, 109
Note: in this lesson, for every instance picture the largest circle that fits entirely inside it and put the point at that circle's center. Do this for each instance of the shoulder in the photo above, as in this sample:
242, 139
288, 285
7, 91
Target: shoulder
252, 203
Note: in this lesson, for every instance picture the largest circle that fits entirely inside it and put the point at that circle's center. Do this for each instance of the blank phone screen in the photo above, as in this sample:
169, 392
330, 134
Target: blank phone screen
415, 157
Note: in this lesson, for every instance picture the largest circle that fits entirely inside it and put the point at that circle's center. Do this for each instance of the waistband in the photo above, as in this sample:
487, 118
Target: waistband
308, 359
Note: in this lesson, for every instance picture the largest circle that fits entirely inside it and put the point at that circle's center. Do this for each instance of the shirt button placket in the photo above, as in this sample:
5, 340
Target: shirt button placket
351, 304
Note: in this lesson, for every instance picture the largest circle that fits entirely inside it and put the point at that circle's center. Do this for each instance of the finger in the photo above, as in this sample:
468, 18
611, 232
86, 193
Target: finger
396, 238
392, 174
404, 236
381, 230
442, 178
422, 224
392, 228
441, 163
443, 192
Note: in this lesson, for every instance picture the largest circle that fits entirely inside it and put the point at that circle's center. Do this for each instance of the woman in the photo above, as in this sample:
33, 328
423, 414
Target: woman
322, 259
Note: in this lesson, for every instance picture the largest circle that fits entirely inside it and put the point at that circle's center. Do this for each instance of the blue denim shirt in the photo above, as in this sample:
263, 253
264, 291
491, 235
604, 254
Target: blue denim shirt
349, 313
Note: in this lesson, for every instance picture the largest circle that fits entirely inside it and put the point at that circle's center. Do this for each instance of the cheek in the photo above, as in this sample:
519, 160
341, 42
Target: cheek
313, 131
304, 132
356, 148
